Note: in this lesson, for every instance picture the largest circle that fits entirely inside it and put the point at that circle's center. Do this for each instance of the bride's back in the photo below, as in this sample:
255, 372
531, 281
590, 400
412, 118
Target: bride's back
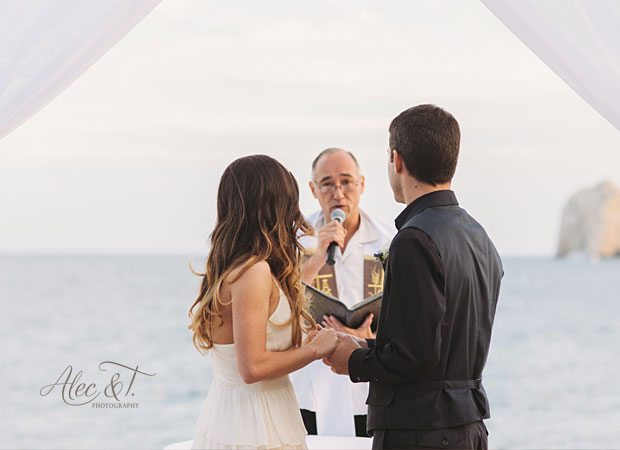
258, 223
222, 332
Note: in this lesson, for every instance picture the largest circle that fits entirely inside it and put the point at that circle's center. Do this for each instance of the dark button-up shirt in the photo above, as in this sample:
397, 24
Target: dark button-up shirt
440, 291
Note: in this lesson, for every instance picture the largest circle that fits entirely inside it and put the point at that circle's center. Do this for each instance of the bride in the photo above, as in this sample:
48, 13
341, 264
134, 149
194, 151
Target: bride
251, 313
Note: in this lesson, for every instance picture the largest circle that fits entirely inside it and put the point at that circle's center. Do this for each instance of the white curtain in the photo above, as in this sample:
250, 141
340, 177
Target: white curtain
45, 45
578, 39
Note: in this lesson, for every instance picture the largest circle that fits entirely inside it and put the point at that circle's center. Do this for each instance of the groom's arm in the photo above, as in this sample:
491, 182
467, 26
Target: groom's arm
414, 314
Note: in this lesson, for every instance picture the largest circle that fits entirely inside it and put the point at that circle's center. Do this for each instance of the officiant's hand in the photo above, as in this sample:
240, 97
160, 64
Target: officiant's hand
339, 358
363, 331
331, 232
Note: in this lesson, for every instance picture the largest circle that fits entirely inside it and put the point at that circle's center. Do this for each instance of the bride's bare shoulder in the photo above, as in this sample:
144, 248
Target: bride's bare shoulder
250, 275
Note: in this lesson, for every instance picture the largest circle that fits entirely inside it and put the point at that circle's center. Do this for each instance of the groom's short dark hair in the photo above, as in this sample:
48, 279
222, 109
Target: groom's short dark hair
427, 138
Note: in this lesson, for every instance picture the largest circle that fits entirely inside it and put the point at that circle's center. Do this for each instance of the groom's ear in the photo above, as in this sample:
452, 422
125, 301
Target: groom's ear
398, 161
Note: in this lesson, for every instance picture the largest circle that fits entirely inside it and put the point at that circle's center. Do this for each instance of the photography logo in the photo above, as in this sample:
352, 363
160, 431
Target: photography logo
116, 392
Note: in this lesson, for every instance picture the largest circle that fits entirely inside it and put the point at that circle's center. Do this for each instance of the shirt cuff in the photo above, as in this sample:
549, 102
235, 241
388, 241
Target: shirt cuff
370, 342
356, 365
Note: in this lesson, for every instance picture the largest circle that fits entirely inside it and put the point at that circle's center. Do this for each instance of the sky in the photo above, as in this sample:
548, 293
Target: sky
128, 158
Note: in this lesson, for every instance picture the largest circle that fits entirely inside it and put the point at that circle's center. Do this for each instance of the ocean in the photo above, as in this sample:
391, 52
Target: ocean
116, 326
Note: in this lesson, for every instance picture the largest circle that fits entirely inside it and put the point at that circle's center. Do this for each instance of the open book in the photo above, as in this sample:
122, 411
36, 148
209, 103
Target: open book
322, 304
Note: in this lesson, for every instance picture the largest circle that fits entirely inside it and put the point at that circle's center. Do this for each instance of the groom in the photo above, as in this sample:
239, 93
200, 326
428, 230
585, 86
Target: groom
441, 289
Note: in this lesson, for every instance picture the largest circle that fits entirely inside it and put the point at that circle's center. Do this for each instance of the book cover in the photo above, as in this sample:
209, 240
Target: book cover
322, 304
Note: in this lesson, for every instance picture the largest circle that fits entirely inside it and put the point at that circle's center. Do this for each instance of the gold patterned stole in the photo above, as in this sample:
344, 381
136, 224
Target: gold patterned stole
373, 276
325, 281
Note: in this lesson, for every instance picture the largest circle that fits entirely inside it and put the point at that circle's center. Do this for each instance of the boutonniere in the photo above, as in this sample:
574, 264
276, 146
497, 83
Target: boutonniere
382, 256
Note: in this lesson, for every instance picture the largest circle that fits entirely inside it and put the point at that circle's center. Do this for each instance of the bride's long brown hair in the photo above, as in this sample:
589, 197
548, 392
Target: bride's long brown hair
258, 219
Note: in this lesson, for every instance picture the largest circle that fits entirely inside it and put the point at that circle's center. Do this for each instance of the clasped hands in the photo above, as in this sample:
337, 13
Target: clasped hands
338, 358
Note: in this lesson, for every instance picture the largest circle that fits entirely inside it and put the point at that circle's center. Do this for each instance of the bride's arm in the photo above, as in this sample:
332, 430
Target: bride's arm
250, 313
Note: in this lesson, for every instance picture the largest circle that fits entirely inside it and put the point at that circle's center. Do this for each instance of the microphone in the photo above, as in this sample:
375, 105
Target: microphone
339, 215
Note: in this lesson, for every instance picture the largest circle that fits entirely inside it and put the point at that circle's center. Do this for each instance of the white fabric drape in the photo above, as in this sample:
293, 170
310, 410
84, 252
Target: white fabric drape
45, 45
578, 39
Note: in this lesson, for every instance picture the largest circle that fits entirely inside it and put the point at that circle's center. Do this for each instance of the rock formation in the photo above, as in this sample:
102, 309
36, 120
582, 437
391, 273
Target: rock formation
591, 223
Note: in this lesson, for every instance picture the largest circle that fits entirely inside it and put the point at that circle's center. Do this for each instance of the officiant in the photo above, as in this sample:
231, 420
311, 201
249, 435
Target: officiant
332, 405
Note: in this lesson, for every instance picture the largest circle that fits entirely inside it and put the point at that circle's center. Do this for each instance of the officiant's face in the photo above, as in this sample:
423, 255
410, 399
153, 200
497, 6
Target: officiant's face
337, 183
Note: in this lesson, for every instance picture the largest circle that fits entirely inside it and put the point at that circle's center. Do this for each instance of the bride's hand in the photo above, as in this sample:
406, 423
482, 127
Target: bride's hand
313, 332
324, 342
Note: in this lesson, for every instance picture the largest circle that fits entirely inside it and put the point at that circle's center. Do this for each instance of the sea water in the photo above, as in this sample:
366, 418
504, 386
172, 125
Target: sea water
552, 373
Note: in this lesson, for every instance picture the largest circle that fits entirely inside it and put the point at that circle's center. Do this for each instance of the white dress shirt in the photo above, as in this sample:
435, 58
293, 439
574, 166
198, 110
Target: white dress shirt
334, 398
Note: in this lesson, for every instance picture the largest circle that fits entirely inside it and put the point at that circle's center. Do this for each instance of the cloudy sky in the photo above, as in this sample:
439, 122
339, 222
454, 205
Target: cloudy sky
127, 160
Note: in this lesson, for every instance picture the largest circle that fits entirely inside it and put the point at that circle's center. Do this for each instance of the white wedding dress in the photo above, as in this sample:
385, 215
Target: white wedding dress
263, 415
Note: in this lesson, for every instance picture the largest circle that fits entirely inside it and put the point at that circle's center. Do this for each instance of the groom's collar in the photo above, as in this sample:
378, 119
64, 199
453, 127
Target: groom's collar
430, 200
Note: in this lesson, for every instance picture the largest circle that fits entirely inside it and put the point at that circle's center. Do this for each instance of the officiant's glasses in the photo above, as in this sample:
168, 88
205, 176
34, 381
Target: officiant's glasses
348, 185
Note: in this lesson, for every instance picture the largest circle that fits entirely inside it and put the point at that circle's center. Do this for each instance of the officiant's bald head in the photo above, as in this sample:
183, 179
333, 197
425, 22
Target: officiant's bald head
332, 150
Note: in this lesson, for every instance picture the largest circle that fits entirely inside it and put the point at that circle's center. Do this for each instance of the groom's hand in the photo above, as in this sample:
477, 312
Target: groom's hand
361, 342
363, 331
339, 359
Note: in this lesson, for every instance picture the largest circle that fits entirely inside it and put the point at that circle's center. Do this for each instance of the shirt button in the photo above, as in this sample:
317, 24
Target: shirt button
444, 443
